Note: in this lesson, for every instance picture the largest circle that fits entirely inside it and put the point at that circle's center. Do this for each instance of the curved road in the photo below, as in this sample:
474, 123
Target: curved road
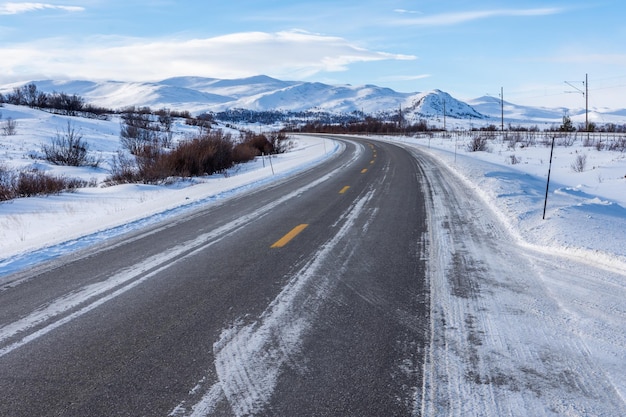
376, 284
308, 297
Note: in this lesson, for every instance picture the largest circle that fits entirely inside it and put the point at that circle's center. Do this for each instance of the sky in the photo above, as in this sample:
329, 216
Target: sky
534, 53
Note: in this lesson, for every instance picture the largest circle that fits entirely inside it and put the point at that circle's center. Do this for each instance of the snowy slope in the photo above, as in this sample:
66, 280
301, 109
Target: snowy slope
201, 94
198, 95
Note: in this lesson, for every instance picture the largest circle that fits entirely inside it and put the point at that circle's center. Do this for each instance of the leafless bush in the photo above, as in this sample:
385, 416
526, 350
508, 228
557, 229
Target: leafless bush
7, 184
9, 127
513, 140
123, 170
68, 149
478, 144
243, 152
205, 155
580, 163
565, 139
29, 183
617, 144
266, 144
514, 160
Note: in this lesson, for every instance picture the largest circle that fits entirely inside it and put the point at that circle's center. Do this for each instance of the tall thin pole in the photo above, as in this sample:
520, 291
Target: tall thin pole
586, 103
444, 114
545, 203
502, 107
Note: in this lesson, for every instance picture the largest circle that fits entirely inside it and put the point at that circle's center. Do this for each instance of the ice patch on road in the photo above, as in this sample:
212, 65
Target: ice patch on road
249, 358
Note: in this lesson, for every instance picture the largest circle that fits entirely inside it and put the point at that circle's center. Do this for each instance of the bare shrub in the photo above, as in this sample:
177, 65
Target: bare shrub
205, 155
280, 142
243, 152
565, 139
266, 144
29, 183
68, 149
514, 160
513, 140
9, 127
123, 170
138, 130
478, 144
617, 144
7, 184
580, 163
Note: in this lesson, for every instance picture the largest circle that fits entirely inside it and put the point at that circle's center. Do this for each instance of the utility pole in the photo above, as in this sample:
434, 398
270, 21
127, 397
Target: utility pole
502, 108
444, 114
585, 93
587, 103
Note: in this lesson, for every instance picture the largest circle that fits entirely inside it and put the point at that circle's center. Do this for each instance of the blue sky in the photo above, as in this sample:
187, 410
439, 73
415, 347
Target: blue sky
469, 49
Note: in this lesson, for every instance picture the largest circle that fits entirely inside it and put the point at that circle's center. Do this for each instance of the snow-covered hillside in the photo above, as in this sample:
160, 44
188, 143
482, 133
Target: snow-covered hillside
197, 95
262, 93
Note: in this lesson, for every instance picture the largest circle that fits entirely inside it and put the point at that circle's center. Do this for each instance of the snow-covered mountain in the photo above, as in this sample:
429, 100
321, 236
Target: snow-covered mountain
261, 93
198, 94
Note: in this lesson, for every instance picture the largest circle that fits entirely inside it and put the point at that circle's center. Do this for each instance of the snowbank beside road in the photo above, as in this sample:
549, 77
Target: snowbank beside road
585, 213
40, 228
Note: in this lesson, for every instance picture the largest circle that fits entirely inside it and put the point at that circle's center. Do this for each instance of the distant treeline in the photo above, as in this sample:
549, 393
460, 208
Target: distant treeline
70, 104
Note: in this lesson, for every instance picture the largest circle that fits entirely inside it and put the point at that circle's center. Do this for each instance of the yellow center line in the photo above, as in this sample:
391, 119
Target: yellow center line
344, 189
364, 170
371, 162
287, 238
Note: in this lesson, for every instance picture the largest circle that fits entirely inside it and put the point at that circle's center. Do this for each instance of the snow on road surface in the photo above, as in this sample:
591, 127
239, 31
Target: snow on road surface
528, 316
515, 331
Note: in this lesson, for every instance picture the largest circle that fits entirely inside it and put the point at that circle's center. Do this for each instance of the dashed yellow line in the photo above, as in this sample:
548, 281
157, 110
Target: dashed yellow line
287, 238
364, 170
344, 189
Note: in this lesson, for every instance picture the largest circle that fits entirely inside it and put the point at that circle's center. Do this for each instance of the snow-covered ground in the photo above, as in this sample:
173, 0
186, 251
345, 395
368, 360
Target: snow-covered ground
40, 228
585, 211
584, 226
527, 318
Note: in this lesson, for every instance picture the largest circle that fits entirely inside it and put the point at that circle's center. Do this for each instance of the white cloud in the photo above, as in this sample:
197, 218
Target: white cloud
462, 17
293, 54
17, 8
406, 77
404, 11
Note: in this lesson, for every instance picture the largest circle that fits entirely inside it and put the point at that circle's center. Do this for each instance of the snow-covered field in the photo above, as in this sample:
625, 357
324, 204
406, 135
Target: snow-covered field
526, 317
585, 223
40, 228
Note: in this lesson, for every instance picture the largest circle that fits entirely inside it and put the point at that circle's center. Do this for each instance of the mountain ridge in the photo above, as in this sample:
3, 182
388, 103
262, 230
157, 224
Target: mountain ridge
262, 93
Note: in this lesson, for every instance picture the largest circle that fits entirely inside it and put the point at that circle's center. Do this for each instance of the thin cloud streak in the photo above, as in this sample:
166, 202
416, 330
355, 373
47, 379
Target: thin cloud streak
406, 77
281, 54
18, 8
446, 19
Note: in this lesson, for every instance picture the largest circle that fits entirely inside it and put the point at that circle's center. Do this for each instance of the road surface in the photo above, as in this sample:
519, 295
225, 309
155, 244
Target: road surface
305, 298
376, 284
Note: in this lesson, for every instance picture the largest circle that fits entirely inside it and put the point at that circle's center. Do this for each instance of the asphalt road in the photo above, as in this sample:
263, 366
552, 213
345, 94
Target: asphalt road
308, 297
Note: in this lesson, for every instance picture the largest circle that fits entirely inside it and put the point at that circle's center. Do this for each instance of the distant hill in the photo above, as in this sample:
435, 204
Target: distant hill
259, 93
262, 93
